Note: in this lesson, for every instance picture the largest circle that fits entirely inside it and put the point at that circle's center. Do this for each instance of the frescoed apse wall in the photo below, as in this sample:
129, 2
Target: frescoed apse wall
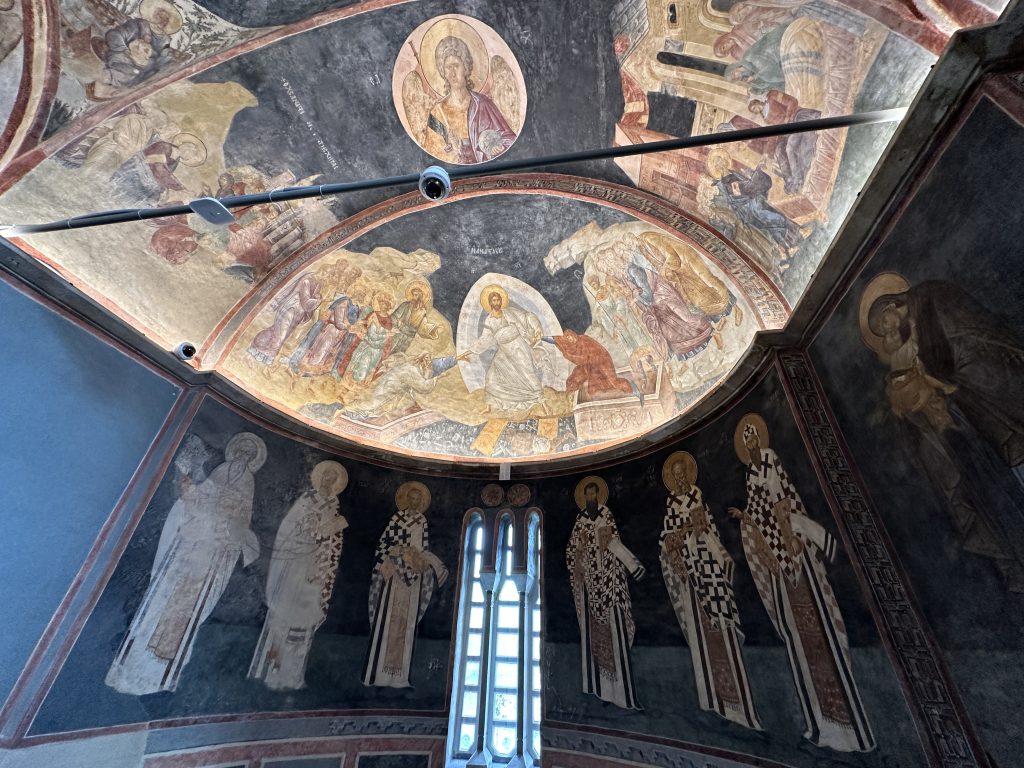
821, 570
261, 578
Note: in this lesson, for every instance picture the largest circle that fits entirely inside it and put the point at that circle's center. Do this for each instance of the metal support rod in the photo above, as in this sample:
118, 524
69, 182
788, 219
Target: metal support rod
485, 169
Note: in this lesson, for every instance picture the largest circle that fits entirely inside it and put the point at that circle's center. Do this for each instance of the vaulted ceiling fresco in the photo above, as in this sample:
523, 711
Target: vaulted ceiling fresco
529, 315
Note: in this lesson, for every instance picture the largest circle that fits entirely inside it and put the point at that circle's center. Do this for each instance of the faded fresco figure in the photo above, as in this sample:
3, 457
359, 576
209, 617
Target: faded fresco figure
375, 346
515, 373
405, 575
954, 386
715, 205
615, 322
401, 382
303, 567
205, 534
678, 329
689, 275
317, 352
137, 49
598, 562
746, 194
149, 176
698, 576
295, 307
786, 552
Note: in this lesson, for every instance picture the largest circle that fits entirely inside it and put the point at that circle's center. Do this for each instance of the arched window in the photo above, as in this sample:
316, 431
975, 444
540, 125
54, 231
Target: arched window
531, 736
496, 695
469, 648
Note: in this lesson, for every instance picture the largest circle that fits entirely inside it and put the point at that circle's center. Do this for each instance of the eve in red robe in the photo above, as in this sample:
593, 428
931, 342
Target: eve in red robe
594, 367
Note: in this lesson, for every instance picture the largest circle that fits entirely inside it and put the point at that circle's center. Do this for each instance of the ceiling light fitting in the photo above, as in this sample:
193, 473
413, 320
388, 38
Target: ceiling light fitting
435, 180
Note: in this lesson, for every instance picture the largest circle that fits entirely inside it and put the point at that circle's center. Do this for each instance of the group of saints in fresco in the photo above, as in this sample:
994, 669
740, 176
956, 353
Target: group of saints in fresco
208, 530
375, 346
786, 552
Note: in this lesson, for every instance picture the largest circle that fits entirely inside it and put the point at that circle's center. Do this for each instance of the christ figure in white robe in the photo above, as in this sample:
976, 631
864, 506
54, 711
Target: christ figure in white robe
598, 562
786, 552
698, 575
514, 378
300, 581
205, 533
405, 575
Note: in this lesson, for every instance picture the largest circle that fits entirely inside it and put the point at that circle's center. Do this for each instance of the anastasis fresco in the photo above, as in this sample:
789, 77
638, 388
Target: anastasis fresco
356, 343
553, 329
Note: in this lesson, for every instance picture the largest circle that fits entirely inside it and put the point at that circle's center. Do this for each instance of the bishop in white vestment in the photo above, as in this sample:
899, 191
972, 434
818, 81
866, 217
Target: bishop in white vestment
205, 533
698, 575
300, 581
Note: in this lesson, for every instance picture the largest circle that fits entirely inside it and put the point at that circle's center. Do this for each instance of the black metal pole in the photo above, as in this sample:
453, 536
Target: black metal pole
486, 169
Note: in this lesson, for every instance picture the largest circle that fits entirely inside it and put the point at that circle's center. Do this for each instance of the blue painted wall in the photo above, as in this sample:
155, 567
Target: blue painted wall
76, 418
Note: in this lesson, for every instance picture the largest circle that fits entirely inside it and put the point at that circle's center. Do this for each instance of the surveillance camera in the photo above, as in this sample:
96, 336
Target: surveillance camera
435, 184
185, 351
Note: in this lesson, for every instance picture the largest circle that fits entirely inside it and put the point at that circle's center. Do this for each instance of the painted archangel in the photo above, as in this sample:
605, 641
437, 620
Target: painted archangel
459, 91
598, 563
698, 575
300, 581
786, 552
405, 575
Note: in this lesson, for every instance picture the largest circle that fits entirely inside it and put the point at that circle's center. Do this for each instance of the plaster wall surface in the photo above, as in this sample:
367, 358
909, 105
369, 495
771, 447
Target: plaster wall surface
77, 417
948, 492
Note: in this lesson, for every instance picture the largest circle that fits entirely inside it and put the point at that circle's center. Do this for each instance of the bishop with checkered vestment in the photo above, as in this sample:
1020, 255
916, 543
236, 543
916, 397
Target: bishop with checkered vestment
786, 552
598, 562
698, 575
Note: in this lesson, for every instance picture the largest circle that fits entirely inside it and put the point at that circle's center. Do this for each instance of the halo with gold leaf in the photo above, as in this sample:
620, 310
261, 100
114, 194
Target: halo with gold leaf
423, 285
882, 284
402, 495
340, 476
485, 296
737, 437
452, 27
690, 467
150, 9
602, 490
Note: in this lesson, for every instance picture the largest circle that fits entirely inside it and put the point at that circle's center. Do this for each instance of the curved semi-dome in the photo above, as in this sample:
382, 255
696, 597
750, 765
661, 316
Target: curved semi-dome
611, 301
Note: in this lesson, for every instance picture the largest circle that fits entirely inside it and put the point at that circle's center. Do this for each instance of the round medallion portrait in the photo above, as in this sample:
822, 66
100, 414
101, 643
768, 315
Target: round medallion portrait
459, 91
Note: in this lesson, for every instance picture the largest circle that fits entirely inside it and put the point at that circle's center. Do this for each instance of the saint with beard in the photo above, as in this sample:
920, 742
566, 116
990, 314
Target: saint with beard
598, 562
954, 386
698, 576
787, 551
206, 533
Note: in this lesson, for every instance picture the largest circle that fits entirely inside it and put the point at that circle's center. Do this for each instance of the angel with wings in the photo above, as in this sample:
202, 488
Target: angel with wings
462, 105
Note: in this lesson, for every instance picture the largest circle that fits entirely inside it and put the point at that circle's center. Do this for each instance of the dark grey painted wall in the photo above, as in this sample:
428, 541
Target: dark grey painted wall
214, 680
964, 227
